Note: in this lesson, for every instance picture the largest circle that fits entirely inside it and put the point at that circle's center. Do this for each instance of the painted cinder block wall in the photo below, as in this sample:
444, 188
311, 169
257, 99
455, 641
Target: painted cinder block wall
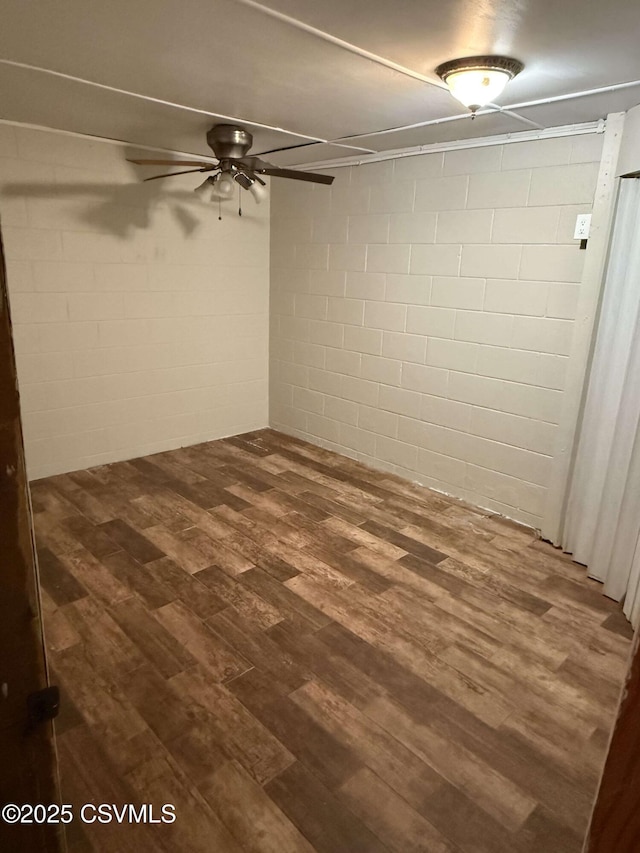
422, 312
140, 319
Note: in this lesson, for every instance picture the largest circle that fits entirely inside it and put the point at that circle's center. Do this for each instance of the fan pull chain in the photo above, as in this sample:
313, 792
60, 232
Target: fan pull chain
239, 200
220, 209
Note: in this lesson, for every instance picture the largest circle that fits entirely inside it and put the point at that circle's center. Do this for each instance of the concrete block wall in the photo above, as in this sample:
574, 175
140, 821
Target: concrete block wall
140, 319
423, 310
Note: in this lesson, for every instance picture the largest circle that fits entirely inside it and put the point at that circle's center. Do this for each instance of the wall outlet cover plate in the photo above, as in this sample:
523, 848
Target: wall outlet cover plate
583, 225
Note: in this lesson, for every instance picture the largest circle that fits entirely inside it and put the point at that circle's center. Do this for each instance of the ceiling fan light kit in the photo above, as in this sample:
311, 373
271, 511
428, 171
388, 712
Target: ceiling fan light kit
258, 191
478, 80
231, 144
223, 186
206, 185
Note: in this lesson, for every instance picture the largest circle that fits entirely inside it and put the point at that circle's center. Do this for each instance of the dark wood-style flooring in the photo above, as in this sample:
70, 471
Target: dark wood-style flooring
302, 654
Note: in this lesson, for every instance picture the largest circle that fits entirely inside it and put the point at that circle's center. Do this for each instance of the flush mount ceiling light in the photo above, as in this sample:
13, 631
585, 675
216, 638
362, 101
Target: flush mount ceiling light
478, 80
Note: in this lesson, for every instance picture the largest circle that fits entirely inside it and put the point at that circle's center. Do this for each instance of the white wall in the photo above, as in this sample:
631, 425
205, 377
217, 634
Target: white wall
422, 314
140, 320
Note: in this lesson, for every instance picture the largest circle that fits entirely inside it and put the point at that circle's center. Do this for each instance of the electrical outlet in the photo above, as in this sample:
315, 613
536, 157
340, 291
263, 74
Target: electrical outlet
583, 225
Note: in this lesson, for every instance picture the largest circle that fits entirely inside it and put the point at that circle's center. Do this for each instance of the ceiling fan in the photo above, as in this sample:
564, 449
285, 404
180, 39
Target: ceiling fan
230, 144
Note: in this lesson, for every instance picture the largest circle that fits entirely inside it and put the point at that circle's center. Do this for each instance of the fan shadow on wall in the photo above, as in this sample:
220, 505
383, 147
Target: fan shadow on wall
123, 209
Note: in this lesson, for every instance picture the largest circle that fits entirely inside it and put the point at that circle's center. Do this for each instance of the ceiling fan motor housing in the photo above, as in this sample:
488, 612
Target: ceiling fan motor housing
229, 142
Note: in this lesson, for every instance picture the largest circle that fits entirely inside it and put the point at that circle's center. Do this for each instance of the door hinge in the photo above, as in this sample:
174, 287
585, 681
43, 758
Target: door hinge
42, 706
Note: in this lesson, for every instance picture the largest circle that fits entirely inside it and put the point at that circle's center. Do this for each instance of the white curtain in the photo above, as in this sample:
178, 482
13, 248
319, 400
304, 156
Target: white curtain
602, 525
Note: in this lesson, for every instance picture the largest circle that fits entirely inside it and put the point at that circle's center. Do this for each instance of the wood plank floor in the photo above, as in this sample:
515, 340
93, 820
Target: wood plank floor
302, 654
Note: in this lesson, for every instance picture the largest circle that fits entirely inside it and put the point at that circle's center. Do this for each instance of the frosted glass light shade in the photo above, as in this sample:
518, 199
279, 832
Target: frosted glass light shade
475, 88
258, 191
204, 186
224, 186
478, 80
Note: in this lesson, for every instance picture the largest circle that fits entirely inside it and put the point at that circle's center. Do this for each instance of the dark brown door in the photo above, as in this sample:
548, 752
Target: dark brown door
27, 755
615, 824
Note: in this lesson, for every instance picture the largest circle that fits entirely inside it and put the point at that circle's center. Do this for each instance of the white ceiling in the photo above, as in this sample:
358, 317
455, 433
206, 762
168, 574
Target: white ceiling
161, 72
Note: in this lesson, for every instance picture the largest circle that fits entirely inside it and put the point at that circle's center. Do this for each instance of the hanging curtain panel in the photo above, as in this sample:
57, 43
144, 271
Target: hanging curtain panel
602, 526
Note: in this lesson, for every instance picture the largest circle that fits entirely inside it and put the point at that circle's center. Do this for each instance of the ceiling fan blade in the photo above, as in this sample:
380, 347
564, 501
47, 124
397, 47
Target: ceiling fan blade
168, 162
312, 177
289, 147
255, 164
184, 172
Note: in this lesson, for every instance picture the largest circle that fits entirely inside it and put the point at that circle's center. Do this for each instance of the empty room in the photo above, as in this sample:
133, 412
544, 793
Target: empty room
319, 427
